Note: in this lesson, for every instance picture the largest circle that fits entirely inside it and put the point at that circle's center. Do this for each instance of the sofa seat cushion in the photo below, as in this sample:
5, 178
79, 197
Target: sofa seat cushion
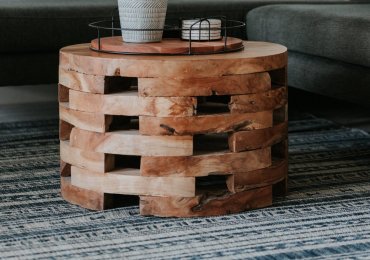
339, 32
328, 77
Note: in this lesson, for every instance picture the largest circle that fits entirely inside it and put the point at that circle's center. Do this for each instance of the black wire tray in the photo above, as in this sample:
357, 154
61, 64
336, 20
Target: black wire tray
113, 27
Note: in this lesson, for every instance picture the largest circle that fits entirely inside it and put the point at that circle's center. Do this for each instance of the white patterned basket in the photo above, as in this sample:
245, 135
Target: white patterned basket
142, 14
200, 29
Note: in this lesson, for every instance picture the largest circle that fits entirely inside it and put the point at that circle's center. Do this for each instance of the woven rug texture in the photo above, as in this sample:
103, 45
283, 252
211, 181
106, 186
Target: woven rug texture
326, 214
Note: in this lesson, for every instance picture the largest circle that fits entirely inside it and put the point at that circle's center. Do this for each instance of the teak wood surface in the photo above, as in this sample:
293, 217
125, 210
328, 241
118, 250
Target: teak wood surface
218, 163
202, 124
96, 122
130, 104
130, 182
255, 57
207, 204
225, 85
130, 142
197, 135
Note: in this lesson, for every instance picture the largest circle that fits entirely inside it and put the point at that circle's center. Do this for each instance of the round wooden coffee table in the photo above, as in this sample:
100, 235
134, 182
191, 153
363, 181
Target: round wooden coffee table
197, 135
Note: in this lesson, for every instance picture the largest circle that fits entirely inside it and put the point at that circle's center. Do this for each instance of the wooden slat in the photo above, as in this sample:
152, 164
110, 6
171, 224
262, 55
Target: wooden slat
65, 129
130, 104
88, 121
130, 182
132, 143
255, 139
82, 82
256, 57
207, 164
65, 169
93, 161
225, 85
85, 198
63, 93
268, 100
90, 199
93, 83
217, 123
206, 204
259, 178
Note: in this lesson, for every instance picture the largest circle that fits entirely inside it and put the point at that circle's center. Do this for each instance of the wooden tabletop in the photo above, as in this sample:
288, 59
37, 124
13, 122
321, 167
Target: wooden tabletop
255, 57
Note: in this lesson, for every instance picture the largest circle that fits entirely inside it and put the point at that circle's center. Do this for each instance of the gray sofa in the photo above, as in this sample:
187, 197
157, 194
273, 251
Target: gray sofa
329, 46
32, 31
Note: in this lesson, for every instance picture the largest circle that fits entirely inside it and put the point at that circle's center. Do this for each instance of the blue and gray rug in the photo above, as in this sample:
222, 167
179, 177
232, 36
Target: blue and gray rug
326, 215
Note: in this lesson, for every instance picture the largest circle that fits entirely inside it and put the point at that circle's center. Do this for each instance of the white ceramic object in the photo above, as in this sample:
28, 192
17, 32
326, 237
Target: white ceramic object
200, 30
142, 14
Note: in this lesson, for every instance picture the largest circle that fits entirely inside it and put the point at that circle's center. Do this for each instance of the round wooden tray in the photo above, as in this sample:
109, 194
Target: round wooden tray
169, 46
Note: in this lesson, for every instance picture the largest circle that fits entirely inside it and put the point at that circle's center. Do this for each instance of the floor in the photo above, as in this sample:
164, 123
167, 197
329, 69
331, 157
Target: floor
40, 102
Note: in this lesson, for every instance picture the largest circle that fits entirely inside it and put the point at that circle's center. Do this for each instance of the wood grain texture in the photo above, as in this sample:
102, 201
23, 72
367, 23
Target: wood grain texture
225, 85
130, 104
255, 139
65, 169
256, 57
129, 181
93, 161
93, 83
132, 143
65, 129
207, 164
268, 100
201, 124
241, 181
206, 204
166, 46
88, 121
82, 82
84, 198
63, 93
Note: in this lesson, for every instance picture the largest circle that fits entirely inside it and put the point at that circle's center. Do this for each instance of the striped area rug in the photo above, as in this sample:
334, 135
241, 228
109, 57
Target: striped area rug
326, 215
